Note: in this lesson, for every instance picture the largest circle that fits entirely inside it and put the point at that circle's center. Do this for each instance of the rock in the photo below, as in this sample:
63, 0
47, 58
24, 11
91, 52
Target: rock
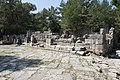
41, 45
73, 48
3, 78
78, 41
49, 41
118, 52
4, 42
55, 36
19, 41
83, 49
74, 52
33, 39
83, 53
118, 76
113, 70
100, 70
93, 62
113, 75
80, 52
63, 36
86, 36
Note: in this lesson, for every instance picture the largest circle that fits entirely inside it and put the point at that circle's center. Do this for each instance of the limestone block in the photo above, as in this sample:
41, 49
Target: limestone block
80, 52
95, 36
99, 41
118, 52
48, 41
88, 41
101, 30
57, 47
78, 41
31, 44
99, 47
77, 48
93, 41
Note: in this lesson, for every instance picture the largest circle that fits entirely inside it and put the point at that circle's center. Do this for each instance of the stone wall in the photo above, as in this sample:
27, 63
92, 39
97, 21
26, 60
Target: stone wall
41, 36
99, 43
95, 42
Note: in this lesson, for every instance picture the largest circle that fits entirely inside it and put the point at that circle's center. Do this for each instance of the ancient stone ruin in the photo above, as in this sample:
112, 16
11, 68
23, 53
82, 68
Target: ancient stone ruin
98, 43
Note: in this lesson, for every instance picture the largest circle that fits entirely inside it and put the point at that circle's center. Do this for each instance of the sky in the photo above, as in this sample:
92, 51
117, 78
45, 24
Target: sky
40, 4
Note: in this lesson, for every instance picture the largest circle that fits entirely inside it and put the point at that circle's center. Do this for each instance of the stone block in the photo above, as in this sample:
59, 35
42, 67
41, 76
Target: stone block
99, 41
99, 47
88, 41
80, 52
57, 47
101, 30
49, 41
118, 52
95, 36
93, 41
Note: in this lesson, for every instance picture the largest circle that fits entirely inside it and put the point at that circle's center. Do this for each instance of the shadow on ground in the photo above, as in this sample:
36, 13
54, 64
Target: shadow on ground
113, 56
13, 63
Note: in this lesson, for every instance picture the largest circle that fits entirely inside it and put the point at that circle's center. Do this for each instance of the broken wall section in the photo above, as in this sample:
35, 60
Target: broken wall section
101, 43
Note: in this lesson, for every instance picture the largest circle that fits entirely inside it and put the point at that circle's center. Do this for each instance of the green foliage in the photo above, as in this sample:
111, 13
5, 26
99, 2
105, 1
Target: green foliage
116, 4
41, 20
101, 14
73, 15
53, 19
48, 19
77, 14
15, 17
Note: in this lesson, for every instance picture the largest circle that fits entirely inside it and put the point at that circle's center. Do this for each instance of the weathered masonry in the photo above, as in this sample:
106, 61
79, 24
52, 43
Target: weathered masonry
99, 43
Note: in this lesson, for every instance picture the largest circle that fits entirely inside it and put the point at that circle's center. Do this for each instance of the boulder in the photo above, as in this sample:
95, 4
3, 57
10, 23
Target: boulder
78, 41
